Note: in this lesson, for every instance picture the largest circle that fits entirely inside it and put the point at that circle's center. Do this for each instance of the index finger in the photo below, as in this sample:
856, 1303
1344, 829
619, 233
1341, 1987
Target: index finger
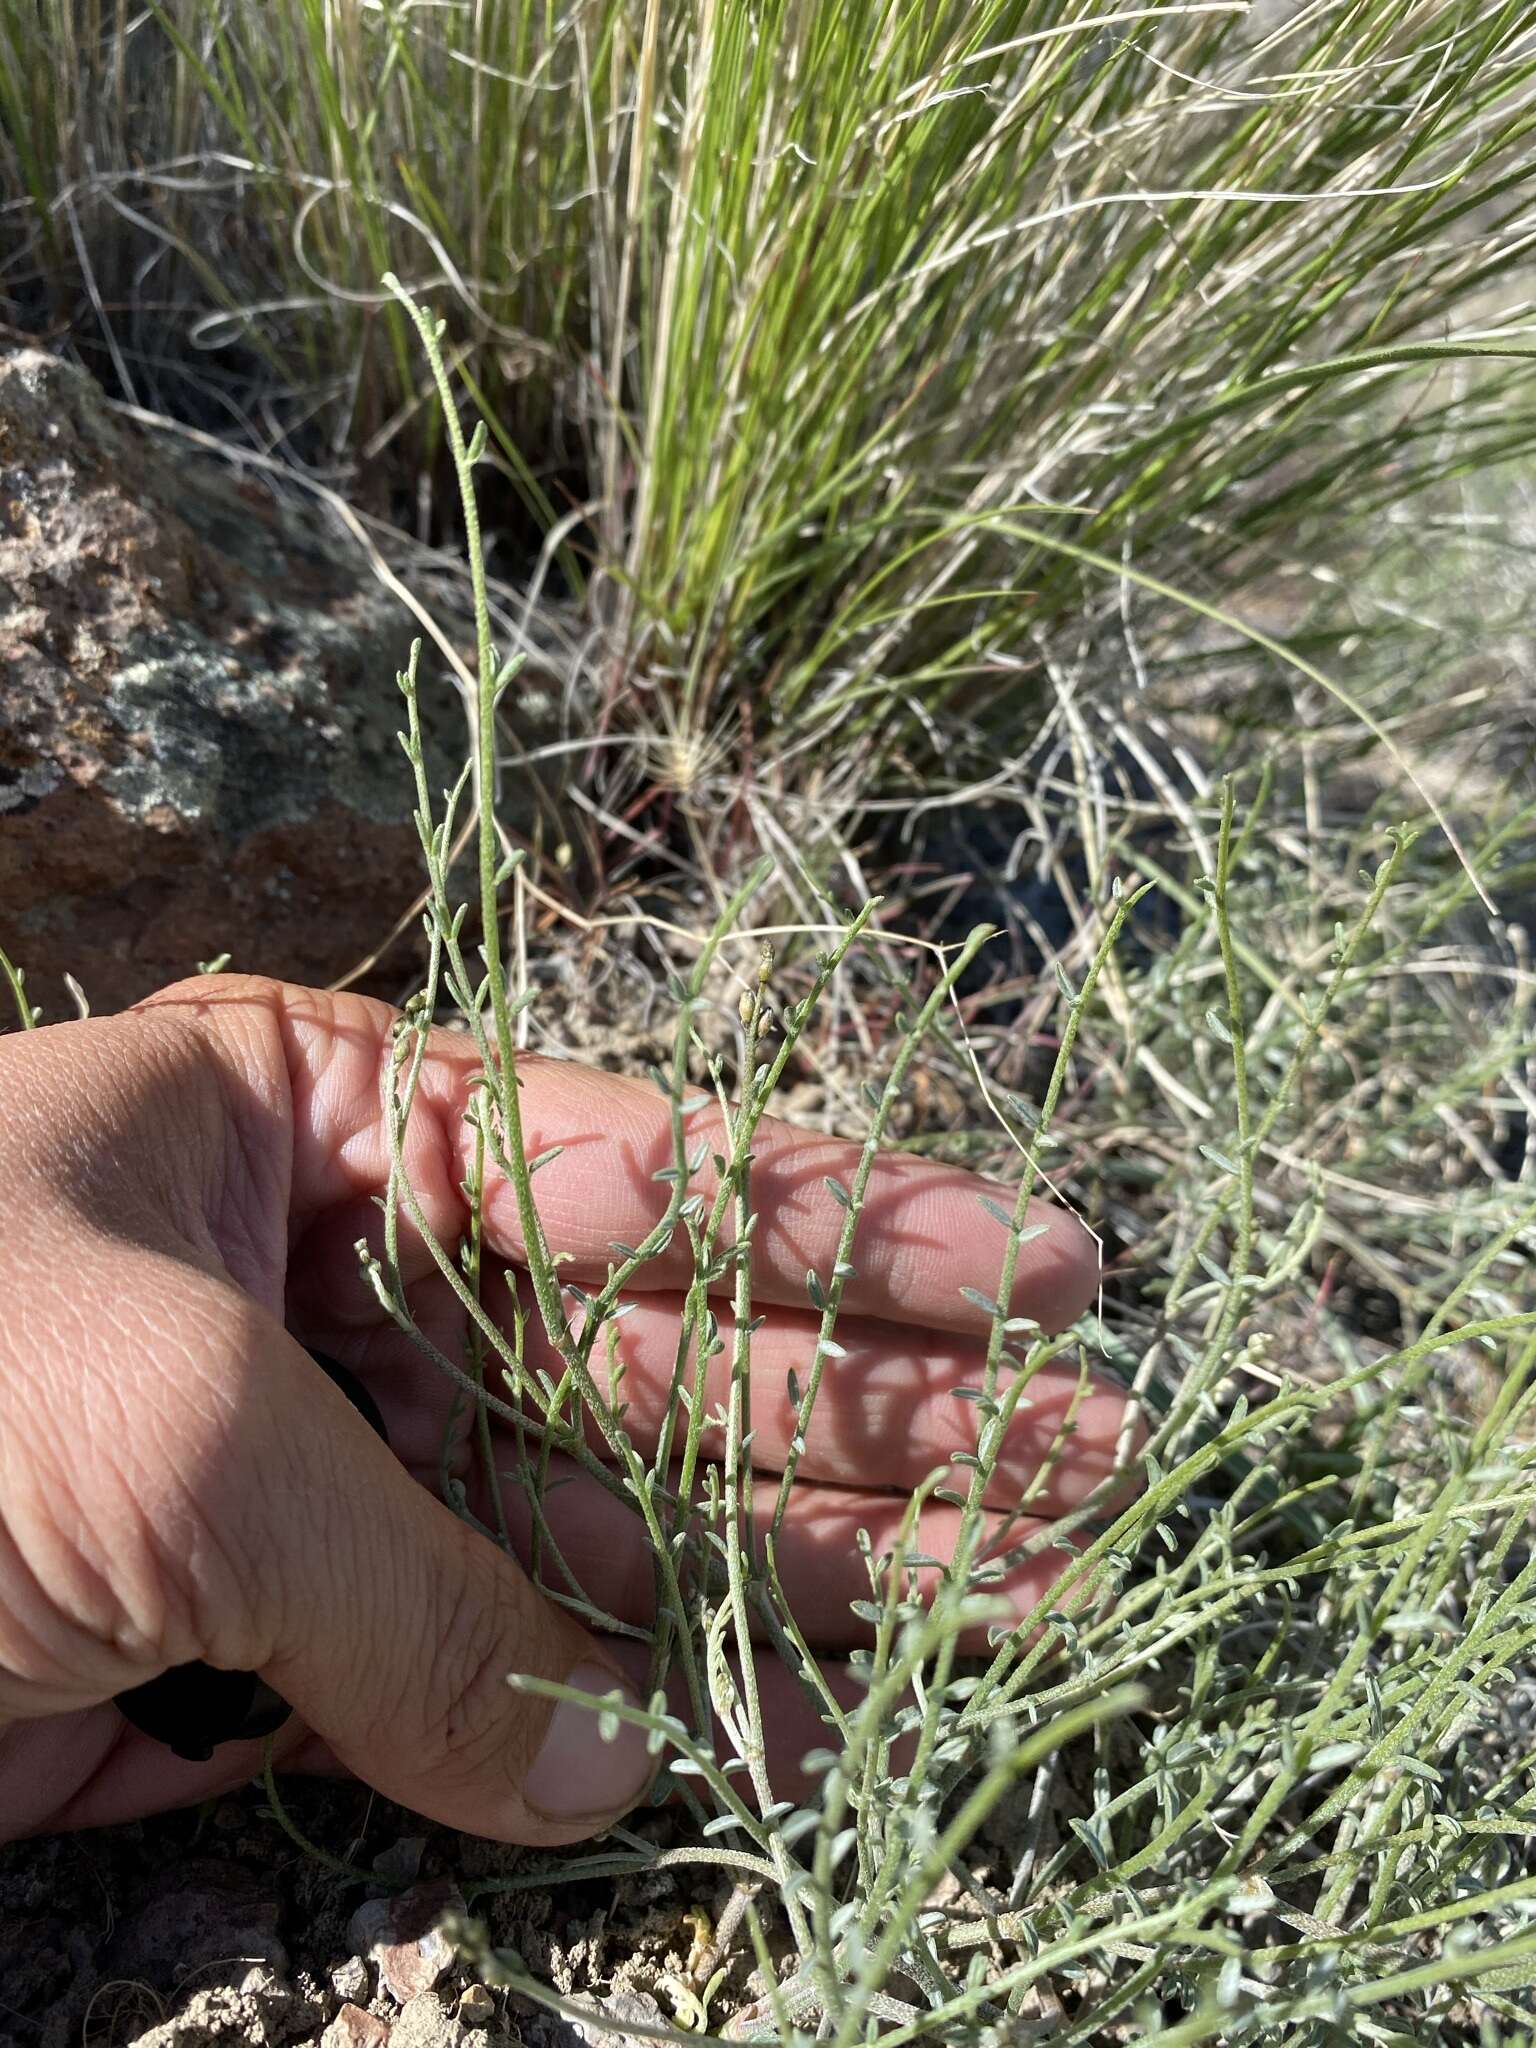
923, 1236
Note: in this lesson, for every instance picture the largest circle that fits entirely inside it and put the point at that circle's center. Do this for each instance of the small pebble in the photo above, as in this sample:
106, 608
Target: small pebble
476, 2006
403, 1938
349, 1980
354, 2028
424, 2024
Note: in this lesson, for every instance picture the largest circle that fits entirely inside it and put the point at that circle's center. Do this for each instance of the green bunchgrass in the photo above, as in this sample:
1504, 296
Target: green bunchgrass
1259, 1767
842, 354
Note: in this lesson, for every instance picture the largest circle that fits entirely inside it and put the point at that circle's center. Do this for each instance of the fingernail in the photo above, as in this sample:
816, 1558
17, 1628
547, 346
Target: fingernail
577, 1774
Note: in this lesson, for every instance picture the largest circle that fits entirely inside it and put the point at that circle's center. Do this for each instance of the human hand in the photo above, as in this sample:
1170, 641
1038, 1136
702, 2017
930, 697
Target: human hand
184, 1186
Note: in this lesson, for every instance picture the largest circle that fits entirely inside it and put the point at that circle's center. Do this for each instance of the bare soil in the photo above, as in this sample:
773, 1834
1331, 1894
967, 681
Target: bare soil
211, 1925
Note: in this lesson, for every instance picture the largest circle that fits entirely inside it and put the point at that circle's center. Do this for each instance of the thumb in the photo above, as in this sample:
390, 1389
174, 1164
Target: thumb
393, 1628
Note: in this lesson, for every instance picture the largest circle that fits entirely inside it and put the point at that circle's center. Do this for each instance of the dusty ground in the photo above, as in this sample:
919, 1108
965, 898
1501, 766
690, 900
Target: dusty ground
211, 1925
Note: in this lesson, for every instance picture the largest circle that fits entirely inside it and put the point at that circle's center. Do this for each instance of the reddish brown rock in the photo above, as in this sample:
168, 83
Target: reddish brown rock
198, 716
355, 2028
404, 1938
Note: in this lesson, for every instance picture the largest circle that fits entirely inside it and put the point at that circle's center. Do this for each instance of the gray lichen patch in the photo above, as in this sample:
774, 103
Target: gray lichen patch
210, 737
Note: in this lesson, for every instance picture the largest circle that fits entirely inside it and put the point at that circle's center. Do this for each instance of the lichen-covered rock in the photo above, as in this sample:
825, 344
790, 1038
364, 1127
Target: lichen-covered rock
197, 712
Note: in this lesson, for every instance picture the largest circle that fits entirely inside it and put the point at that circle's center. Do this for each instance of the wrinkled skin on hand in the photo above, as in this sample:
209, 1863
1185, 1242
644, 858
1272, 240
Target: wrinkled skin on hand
184, 1186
